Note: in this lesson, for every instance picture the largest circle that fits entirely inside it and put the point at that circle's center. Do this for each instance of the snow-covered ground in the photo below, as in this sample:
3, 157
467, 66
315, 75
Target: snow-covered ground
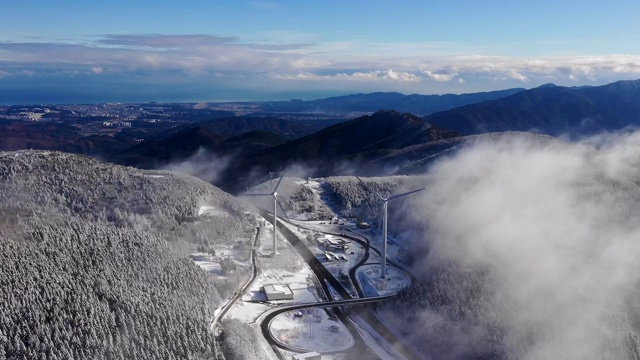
338, 262
207, 263
310, 329
374, 341
313, 329
316, 189
286, 267
211, 263
372, 284
368, 275
254, 302
212, 211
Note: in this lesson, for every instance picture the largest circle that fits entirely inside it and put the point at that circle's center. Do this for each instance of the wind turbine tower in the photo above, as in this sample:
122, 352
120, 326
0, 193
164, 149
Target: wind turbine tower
385, 201
276, 204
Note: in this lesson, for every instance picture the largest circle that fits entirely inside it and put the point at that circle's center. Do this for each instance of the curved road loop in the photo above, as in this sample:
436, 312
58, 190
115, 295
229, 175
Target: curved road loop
267, 317
325, 276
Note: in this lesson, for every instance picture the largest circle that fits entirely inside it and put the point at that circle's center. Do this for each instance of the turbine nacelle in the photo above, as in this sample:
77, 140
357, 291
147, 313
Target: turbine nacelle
387, 198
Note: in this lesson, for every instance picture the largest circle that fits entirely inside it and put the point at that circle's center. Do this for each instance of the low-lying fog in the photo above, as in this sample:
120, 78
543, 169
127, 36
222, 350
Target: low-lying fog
551, 232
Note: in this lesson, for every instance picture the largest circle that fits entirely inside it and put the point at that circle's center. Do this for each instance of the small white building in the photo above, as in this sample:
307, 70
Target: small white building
306, 356
277, 292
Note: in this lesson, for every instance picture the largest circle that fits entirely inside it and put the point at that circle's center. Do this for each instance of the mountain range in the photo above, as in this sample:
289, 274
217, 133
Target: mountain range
382, 142
94, 254
550, 109
415, 103
341, 148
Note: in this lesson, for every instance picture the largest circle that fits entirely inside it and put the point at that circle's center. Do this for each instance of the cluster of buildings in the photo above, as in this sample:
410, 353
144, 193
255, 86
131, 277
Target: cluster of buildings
333, 244
120, 124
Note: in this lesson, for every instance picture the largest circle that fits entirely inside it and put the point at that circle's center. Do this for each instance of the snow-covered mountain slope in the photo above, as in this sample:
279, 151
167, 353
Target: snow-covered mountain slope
93, 261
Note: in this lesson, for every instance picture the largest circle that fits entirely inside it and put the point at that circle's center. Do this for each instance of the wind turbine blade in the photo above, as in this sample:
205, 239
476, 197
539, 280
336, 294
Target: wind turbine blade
370, 189
283, 211
281, 177
404, 194
254, 194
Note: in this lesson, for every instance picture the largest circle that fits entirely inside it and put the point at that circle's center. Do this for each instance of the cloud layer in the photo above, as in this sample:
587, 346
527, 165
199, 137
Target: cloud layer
540, 245
226, 60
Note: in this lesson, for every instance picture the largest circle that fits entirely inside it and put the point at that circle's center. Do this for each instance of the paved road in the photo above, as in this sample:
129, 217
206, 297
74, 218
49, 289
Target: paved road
238, 293
367, 312
326, 279
266, 318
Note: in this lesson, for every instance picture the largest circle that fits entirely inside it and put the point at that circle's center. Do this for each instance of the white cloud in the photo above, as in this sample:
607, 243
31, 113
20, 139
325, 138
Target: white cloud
202, 164
155, 56
514, 74
440, 76
542, 242
377, 75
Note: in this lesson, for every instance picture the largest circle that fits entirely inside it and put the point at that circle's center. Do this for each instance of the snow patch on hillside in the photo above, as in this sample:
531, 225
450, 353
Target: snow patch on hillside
313, 329
212, 211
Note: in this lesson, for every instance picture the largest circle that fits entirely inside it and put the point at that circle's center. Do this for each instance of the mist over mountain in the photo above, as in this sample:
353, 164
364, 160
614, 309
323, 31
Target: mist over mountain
386, 142
549, 109
524, 247
231, 136
363, 136
382, 143
413, 159
529, 252
342, 148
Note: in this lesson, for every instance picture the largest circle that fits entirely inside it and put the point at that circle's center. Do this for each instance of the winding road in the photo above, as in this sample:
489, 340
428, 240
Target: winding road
238, 293
326, 278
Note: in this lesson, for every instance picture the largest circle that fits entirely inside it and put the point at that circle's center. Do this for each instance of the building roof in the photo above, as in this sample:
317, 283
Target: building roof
277, 289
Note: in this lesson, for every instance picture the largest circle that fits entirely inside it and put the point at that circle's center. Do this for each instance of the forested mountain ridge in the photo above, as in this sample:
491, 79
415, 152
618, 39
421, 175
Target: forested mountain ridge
371, 102
550, 109
90, 266
359, 142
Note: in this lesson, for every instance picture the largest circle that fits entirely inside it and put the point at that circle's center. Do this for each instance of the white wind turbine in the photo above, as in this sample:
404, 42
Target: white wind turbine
385, 200
276, 203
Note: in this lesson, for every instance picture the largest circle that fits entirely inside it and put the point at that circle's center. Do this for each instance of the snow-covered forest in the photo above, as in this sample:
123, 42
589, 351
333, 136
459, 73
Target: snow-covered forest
94, 259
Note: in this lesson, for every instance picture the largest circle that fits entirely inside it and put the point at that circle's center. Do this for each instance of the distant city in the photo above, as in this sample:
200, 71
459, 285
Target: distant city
109, 118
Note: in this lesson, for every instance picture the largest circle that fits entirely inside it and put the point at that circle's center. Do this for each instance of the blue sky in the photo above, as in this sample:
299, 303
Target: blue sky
190, 50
